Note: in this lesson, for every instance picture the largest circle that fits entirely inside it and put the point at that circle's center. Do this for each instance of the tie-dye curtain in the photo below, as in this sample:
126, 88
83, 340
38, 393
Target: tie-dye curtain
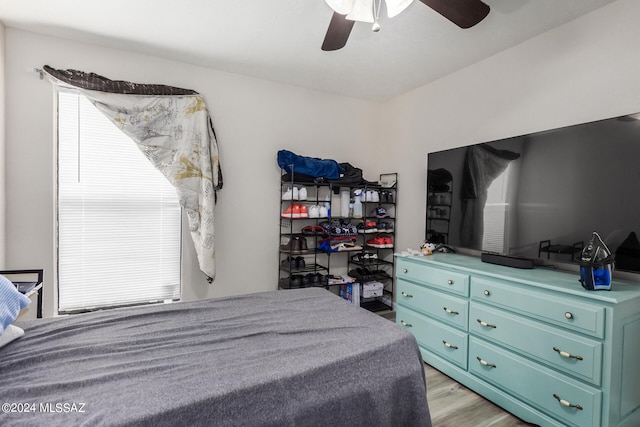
173, 129
482, 165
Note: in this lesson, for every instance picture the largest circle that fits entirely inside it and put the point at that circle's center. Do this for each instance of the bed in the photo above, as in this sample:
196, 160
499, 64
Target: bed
299, 357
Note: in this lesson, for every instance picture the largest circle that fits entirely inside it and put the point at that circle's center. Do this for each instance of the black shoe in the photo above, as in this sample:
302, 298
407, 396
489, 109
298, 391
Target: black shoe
295, 245
295, 281
299, 262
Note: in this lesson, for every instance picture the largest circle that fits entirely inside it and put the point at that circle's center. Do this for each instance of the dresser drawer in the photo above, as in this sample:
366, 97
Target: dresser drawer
444, 341
571, 314
559, 349
450, 281
447, 308
542, 388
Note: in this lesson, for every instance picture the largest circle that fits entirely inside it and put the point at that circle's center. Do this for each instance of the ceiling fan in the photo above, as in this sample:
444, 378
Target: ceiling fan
463, 13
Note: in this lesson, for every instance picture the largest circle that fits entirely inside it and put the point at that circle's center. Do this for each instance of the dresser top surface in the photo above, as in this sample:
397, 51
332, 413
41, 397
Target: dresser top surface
539, 276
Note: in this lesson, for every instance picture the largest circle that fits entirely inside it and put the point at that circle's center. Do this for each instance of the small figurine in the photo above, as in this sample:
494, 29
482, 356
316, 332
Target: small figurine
427, 248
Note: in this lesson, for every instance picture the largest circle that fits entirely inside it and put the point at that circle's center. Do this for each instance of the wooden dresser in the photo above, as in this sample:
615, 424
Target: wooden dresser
532, 341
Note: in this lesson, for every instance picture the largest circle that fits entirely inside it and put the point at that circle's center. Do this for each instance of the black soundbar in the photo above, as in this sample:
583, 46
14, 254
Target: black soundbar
509, 261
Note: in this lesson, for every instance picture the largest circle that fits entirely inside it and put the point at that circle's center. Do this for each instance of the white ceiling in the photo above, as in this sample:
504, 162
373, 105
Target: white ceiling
280, 40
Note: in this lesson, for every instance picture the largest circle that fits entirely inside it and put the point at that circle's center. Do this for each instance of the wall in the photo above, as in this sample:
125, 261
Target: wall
253, 120
2, 129
582, 71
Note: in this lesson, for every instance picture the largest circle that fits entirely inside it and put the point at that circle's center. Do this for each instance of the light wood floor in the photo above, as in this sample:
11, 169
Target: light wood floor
452, 404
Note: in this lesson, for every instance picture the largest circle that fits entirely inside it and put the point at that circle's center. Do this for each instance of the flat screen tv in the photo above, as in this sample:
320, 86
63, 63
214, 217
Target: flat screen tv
541, 196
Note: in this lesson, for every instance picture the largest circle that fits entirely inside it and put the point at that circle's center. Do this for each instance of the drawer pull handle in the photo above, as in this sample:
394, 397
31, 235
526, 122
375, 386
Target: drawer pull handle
408, 325
567, 404
568, 315
404, 270
485, 324
567, 355
446, 344
449, 311
449, 282
486, 292
404, 294
485, 363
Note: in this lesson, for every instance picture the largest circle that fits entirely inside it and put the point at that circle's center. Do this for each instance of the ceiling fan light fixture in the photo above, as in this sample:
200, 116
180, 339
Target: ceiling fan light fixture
394, 7
363, 10
463, 13
343, 7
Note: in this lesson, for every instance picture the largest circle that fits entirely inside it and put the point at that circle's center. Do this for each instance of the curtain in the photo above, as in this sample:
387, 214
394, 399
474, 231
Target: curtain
482, 165
173, 129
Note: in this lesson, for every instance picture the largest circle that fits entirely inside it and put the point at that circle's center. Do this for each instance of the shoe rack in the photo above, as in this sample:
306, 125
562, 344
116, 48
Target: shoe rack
439, 198
301, 264
325, 239
374, 266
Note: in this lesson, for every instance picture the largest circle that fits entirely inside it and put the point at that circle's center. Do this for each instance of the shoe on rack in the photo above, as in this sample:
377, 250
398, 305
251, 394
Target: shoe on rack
380, 242
347, 246
366, 227
324, 212
335, 228
348, 229
287, 195
289, 262
302, 193
365, 257
295, 193
306, 281
314, 211
375, 196
384, 226
303, 244
293, 211
370, 256
380, 212
314, 279
299, 261
296, 245
326, 226
295, 281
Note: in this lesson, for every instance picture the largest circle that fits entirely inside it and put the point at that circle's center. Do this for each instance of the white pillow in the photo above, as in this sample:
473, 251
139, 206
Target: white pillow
11, 302
11, 333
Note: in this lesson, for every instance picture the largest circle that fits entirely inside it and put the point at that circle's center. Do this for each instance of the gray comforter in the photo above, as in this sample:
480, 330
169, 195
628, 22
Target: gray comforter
285, 358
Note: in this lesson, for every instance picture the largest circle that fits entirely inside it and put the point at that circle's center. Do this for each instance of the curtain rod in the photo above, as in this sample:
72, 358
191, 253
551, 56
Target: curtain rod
36, 70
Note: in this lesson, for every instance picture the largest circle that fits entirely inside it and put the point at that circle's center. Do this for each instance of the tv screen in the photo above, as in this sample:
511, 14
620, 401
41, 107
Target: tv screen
542, 195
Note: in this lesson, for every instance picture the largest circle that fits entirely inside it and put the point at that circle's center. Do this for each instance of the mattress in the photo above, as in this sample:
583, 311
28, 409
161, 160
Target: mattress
298, 357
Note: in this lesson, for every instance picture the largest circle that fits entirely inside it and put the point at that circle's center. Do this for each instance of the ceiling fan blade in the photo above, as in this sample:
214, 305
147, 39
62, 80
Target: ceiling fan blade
338, 32
463, 13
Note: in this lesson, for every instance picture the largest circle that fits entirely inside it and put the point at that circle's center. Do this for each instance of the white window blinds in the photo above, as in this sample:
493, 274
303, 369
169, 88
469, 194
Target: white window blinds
119, 221
496, 211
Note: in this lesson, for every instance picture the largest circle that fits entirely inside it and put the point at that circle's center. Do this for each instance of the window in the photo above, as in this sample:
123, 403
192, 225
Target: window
496, 210
119, 221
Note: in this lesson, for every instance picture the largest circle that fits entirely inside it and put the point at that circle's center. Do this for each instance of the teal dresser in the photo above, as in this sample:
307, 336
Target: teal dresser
532, 341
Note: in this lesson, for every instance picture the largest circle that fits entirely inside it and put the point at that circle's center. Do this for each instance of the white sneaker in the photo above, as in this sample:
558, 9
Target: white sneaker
314, 211
295, 194
287, 194
375, 196
324, 212
302, 193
